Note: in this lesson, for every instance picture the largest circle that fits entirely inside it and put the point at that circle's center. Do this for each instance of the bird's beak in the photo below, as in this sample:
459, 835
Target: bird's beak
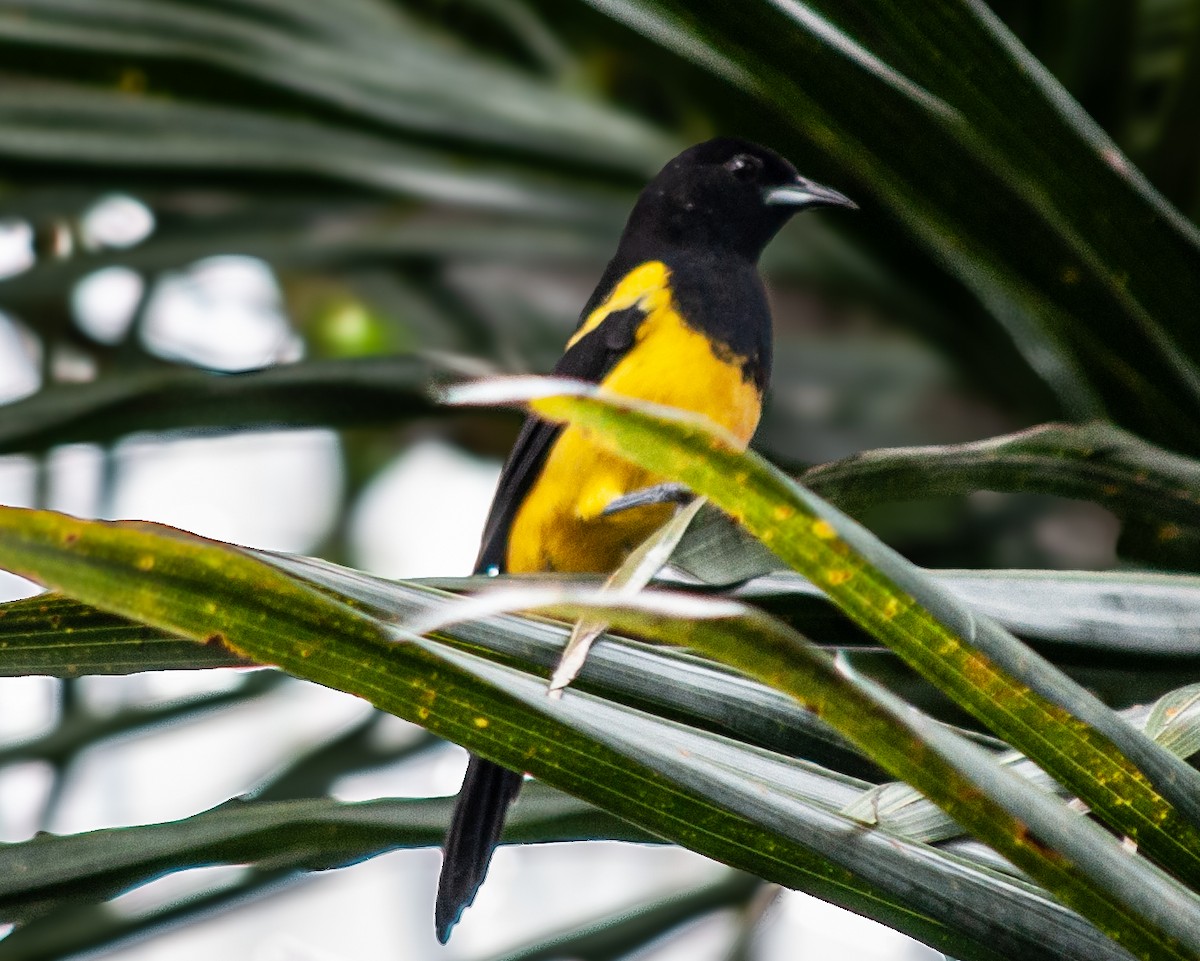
805, 193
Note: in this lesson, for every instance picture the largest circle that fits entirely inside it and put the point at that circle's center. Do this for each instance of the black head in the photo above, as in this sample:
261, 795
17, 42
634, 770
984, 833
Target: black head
725, 195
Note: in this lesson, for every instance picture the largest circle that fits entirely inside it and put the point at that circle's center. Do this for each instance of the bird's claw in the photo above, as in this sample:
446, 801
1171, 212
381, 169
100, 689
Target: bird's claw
647, 496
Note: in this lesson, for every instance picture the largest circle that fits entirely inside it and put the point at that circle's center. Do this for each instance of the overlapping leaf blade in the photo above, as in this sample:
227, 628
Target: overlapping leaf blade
1123, 776
1077, 860
569, 743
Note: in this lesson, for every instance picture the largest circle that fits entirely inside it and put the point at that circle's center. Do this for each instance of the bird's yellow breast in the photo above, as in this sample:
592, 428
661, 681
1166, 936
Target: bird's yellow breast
558, 526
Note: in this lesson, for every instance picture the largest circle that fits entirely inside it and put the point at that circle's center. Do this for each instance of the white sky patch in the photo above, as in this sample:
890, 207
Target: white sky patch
13, 588
116, 220
16, 247
277, 490
177, 770
24, 789
30, 708
436, 773
104, 302
175, 888
806, 927
105, 696
406, 526
224, 313
76, 475
19, 356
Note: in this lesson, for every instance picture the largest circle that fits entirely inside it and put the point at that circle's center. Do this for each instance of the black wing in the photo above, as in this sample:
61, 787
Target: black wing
591, 358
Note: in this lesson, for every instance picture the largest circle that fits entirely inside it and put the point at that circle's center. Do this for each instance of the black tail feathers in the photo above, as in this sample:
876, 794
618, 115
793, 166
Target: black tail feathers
487, 791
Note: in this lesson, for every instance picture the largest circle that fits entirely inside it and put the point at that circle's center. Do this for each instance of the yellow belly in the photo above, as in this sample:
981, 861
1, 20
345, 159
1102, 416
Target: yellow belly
559, 527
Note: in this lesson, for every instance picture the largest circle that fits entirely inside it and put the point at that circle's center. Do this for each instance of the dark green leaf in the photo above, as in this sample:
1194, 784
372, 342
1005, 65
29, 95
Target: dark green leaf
1100, 462
944, 119
43, 123
334, 393
395, 77
317, 834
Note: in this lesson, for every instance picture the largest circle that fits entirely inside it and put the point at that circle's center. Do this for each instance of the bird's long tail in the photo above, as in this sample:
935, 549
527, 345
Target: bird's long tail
487, 791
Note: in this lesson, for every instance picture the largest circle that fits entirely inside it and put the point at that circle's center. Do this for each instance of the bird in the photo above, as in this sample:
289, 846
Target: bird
679, 317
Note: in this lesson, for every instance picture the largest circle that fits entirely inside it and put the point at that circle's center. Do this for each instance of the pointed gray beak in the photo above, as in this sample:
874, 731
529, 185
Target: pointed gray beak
805, 193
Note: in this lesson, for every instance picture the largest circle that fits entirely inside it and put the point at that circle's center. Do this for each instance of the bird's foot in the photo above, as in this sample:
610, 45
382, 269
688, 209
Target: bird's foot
647, 496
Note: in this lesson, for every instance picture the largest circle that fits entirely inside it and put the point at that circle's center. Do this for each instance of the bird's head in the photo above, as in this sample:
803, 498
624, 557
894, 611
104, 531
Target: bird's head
725, 194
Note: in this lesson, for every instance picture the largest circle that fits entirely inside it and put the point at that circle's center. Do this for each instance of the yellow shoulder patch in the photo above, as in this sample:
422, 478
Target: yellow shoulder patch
646, 286
561, 526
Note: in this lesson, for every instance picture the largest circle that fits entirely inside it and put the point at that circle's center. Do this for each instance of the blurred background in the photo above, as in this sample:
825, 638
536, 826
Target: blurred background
238, 239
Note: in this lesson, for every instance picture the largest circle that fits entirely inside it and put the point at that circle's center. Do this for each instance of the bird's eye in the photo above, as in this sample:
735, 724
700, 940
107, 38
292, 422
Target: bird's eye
744, 166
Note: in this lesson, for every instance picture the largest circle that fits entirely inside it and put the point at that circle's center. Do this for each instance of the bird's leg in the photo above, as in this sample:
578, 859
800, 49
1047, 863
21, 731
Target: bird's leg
658, 494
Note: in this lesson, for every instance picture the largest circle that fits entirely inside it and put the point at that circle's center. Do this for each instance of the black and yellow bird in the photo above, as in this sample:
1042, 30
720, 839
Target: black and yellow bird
680, 318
